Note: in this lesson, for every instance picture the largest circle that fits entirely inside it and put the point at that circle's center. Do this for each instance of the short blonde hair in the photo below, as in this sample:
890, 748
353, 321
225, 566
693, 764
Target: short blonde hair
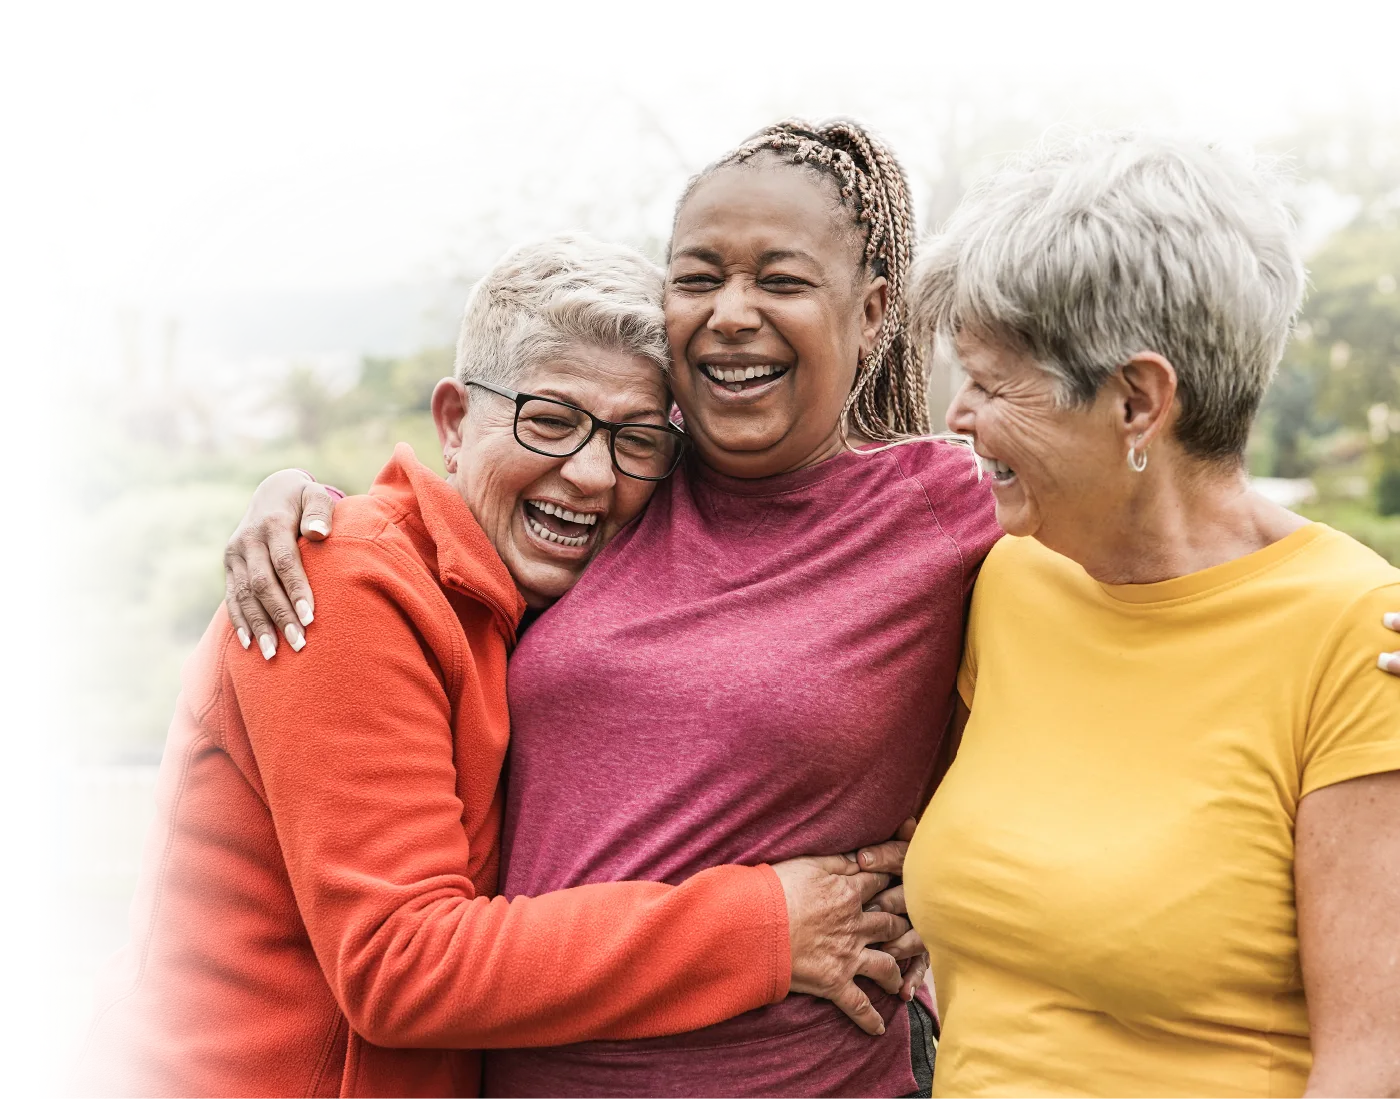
1088, 251
550, 295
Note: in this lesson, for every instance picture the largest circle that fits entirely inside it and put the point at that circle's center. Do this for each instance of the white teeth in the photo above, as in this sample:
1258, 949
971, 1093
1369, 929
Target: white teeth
741, 373
588, 519
997, 468
550, 536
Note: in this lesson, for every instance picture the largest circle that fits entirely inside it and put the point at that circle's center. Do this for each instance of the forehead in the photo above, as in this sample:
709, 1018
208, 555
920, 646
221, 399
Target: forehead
766, 206
612, 384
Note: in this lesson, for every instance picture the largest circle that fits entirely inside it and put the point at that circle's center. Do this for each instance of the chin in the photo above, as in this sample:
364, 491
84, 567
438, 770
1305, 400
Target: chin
1015, 522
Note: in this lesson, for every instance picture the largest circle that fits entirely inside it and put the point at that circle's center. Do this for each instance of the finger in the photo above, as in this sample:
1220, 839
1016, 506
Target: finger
286, 559
914, 974
880, 968
881, 927
1390, 662
252, 611
907, 829
234, 577
843, 866
887, 857
890, 900
867, 884
909, 945
279, 621
317, 510
857, 1005
1392, 621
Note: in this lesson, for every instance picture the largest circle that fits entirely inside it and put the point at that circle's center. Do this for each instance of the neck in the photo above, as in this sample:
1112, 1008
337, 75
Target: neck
753, 465
1178, 520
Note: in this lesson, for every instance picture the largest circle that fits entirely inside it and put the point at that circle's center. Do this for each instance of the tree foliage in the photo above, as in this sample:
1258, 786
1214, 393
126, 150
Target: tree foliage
1336, 402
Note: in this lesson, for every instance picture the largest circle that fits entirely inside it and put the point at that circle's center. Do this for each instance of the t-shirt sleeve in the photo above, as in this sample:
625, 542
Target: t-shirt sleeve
1354, 722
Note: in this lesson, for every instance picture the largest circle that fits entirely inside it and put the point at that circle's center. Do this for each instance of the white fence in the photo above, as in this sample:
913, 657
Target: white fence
98, 819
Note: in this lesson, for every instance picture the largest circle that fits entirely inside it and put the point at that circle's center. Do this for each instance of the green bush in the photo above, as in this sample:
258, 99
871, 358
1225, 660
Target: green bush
1388, 492
188, 588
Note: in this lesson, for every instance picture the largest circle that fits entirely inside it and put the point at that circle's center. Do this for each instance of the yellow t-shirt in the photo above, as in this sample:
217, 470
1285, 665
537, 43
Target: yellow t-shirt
1105, 877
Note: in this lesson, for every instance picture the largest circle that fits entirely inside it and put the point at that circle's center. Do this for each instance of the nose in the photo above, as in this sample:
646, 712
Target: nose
591, 471
960, 417
733, 313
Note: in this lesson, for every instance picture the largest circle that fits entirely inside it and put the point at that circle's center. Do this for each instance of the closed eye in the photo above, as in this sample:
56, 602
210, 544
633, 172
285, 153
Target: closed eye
697, 282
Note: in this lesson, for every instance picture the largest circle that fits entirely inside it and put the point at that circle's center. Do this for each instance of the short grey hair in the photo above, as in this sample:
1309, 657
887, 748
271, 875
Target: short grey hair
552, 295
1087, 251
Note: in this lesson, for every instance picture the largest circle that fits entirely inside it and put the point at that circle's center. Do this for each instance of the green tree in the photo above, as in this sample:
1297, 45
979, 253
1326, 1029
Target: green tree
1350, 328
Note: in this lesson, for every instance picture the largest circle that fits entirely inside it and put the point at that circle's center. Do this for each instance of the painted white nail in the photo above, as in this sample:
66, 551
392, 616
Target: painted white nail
294, 637
267, 644
243, 638
319, 526
304, 612
1390, 662
1392, 621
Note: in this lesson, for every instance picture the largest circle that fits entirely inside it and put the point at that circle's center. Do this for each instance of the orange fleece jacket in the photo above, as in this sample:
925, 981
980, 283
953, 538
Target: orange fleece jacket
315, 912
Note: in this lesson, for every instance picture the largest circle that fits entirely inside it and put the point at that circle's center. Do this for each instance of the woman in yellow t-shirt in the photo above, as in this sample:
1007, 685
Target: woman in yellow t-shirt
1166, 858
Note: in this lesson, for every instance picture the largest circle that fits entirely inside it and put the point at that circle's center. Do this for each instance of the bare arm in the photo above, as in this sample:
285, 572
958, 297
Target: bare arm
1347, 874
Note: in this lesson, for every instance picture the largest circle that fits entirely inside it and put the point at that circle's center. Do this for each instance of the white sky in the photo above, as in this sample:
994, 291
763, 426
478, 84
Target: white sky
263, 87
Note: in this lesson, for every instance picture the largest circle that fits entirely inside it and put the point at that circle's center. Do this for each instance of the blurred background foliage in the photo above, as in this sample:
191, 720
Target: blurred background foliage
171, 486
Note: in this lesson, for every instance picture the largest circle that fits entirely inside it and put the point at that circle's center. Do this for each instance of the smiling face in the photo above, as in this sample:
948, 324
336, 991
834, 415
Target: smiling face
548, 517
1056, 472
768, 310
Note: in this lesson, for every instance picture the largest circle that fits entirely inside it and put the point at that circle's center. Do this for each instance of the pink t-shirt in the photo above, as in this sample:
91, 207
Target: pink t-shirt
752, 671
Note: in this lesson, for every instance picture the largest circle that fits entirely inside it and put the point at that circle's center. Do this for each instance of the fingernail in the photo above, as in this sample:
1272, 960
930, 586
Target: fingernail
867, 859
882, 1028
295, 638
848, 856
243, 638
872, 908
267, 644
304, 612
1387, 660
319, 526
1392, 621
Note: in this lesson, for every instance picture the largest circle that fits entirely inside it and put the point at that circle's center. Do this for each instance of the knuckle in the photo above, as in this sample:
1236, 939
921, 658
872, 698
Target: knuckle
284, 560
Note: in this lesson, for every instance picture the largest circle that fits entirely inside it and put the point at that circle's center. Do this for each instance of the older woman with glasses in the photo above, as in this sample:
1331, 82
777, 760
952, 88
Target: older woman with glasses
316, 910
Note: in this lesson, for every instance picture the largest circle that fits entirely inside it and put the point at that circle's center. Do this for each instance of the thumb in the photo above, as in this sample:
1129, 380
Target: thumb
317, 508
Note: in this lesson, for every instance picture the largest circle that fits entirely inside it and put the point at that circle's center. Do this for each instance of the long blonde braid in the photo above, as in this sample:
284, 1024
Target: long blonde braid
887, 402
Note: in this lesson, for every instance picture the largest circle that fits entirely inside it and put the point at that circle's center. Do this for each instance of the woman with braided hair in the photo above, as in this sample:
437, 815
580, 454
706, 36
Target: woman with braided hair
764, 663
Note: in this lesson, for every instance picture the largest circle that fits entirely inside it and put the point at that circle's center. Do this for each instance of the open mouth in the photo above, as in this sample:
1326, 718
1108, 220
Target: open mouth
1001, 473
555, 523
743, 379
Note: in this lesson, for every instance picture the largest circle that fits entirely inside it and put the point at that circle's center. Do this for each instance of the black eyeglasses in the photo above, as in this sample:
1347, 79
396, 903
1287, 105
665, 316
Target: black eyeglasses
648, 452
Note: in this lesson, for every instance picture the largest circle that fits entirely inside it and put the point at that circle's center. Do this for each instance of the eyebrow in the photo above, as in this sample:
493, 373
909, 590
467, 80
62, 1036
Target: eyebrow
629, 417
773, 255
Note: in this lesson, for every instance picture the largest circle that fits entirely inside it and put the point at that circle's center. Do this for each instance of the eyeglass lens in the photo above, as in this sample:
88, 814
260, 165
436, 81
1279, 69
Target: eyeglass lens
558, 430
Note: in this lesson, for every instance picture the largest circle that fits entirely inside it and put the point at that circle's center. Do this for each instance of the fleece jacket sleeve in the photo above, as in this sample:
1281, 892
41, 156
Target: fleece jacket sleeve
355, 744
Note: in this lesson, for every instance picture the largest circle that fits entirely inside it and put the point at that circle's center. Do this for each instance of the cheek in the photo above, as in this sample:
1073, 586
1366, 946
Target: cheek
629, 498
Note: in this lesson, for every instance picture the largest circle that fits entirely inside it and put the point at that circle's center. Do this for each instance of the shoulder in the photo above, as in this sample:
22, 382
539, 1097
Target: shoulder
958, 499
371, 559
1354, 587
1337, 568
